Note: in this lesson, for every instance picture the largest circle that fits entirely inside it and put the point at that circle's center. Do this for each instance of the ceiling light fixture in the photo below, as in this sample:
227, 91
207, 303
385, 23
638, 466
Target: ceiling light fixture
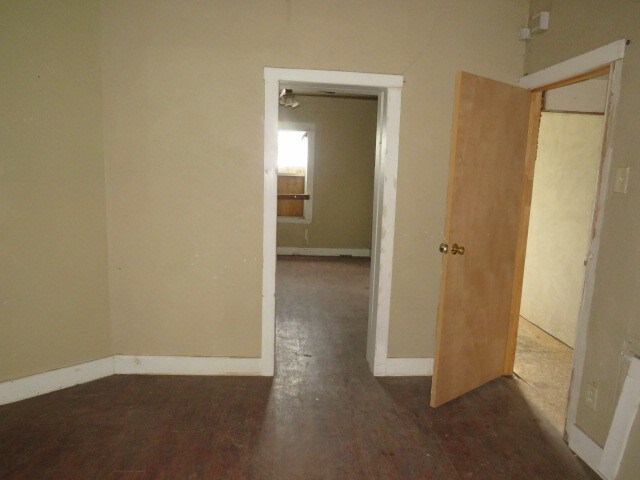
287, 99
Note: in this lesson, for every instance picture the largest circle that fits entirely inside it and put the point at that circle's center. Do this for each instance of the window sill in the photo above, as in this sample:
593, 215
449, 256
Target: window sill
293, 220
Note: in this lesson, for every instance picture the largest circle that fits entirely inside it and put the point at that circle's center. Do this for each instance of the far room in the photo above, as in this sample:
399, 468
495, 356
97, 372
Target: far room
326, 168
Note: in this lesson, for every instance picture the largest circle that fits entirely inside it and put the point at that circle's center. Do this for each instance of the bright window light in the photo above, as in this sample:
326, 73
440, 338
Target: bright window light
293, 152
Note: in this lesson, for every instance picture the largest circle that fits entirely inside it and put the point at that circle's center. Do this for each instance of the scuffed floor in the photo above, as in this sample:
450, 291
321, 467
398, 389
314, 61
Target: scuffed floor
323, 415
544, 364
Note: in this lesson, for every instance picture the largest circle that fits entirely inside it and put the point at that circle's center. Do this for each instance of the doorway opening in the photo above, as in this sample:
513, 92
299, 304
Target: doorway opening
606, 60
326, 166
476, 333
300, 208
565, 181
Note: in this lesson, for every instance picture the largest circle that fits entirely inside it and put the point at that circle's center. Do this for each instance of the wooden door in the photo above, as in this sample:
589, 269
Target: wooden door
486, 178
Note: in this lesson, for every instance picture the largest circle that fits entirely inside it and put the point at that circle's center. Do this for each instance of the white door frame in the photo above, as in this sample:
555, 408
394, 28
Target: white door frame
388, 89
612, 55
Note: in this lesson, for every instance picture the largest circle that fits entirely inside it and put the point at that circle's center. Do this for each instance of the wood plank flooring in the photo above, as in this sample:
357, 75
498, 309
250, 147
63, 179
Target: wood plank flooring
323, 416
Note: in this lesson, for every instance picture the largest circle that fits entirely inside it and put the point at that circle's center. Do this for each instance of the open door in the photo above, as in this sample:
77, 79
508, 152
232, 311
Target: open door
486, 178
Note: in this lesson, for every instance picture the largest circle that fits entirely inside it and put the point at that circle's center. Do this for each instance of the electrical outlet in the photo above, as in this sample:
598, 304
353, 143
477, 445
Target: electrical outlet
591, 396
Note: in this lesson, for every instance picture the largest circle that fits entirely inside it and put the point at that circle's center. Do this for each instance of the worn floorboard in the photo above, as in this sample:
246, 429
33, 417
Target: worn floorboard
323, 415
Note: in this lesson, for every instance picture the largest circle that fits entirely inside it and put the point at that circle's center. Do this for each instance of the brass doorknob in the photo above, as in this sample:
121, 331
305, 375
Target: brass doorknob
455, 248
444, 248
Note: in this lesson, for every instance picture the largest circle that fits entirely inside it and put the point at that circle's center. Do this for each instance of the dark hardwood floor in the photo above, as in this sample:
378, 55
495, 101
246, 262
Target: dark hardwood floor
323, 416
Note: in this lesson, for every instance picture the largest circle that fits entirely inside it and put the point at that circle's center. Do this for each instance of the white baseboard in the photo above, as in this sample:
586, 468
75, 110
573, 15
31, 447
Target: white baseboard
31, 386
176, 365
324, 252
409, 367
588, 450
623, 419
46, 382
38, 384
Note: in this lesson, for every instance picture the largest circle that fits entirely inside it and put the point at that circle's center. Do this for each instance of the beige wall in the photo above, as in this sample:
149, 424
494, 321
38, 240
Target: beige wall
53, 267
184, 109
588, 96
564, 187
578, 26
344, 161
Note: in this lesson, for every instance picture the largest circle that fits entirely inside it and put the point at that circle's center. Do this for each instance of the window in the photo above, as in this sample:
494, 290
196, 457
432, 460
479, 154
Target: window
295, 172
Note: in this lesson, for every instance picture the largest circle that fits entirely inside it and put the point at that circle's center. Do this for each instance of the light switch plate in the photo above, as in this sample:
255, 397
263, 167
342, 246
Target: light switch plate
591, 396
622, 179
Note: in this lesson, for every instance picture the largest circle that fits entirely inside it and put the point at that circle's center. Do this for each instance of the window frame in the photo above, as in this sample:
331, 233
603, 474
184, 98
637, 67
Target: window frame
310, 129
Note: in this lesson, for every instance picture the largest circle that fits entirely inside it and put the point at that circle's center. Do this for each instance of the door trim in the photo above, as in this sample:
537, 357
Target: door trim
535, 108
574, 67
574, 70
388, 89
